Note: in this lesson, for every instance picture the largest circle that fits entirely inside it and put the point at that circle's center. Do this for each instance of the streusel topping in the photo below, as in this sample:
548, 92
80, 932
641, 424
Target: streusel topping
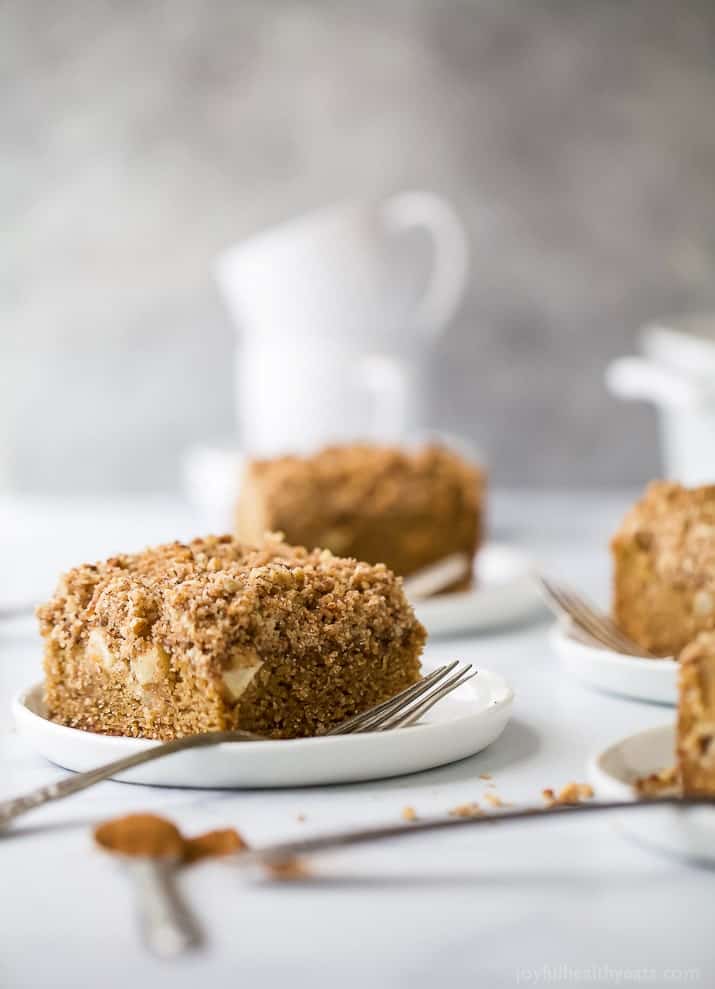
369, 480
676, 527
213, 594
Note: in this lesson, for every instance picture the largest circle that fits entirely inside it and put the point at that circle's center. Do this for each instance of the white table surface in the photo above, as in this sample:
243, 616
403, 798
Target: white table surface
547, 902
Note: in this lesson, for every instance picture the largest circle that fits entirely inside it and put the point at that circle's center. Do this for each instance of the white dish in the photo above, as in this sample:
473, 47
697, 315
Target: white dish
652, 680
461, 725
504, 594
687, 832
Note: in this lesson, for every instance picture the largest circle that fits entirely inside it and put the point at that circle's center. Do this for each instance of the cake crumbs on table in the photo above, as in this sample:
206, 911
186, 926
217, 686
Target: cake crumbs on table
485, 776
494, 800
408, 814
300, 817
288, 869
572, 793
467, 810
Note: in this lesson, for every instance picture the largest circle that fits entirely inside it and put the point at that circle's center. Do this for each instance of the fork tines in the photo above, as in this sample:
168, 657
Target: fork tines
588, 619
410, 704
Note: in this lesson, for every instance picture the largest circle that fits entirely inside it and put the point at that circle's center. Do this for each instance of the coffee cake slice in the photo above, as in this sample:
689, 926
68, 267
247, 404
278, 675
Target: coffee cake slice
664, 567
404, 508
218, 635
696, 716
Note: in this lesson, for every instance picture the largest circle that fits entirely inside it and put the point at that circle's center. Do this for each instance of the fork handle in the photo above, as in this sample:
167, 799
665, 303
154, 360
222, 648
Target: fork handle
15, 806
361, 836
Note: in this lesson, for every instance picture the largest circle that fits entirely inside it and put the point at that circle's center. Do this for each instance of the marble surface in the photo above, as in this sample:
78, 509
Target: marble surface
563, 902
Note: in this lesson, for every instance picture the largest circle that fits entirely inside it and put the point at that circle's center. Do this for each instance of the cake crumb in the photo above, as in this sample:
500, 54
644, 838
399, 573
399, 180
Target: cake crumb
288, 870
661, 784
572, 793
495, 800
467, 810
300, 817
409, 814
485, 776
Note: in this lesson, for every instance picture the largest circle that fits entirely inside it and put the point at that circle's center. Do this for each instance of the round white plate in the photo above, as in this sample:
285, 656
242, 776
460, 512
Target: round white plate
504, 593
687, 832
641, 679
462, 724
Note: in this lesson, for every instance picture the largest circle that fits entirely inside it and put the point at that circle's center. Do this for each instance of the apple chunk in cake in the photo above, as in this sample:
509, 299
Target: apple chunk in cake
218, 635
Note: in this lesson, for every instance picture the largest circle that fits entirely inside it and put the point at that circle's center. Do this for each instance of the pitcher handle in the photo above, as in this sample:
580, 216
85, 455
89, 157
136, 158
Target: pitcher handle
639, 378
450, 264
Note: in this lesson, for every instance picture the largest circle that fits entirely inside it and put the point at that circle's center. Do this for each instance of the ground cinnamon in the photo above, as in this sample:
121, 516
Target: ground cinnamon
213, 844
156, 837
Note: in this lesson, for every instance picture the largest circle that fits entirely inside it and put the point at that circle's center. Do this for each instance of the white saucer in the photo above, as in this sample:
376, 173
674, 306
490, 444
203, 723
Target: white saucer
641, 679
687, 832
462, 724
504, 594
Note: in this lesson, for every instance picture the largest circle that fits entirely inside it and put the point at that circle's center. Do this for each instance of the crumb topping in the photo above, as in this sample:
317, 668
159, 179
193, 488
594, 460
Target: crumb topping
214, 595
370, 480
664, 567
675, 526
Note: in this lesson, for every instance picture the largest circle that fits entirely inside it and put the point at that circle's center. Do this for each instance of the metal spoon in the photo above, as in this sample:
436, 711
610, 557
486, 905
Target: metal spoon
165, 924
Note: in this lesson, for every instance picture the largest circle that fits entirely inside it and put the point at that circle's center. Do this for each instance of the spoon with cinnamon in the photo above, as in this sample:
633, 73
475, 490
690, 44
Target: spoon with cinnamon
151, 848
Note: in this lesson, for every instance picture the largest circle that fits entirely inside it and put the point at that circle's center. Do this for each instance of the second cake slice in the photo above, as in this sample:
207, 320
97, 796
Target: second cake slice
405, 508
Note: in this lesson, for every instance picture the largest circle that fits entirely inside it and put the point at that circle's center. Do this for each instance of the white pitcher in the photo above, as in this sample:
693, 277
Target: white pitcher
676, 372
336, 310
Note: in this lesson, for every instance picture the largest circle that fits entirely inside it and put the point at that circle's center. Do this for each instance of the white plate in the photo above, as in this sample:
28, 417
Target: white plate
687, 832
505, 593
462, 724
641, 679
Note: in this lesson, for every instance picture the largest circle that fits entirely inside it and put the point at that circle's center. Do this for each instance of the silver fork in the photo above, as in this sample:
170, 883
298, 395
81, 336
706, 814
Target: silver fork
591, 624
400, 711
284, 851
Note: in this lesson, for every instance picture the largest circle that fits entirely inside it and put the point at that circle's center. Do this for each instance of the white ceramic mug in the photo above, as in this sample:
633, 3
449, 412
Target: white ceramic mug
335, 310
676, 372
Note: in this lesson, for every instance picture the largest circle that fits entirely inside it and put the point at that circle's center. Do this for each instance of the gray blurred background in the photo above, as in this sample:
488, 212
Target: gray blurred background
139, 138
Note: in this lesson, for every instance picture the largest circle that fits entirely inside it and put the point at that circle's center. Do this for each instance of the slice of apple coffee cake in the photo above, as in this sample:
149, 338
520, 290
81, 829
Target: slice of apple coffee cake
211, 635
